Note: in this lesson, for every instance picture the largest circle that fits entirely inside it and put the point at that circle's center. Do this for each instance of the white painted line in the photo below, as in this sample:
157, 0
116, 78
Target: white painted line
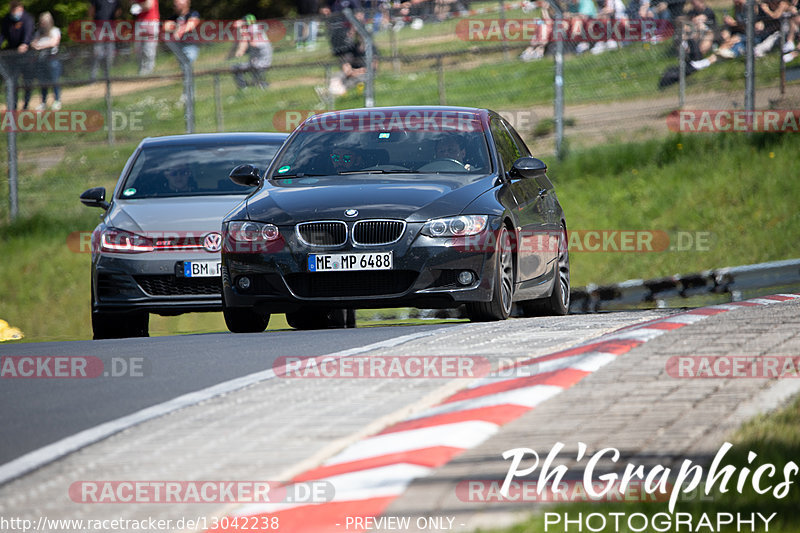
643, 334
587, 362
685, 318
51, 452
525, 396
762, 301
457, 435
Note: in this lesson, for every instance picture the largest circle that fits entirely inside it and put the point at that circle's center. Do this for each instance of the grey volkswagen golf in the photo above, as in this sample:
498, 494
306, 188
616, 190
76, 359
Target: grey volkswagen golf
157, 248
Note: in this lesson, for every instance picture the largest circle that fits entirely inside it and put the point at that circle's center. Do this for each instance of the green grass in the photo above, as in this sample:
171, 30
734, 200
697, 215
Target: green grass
774, 438
738, 188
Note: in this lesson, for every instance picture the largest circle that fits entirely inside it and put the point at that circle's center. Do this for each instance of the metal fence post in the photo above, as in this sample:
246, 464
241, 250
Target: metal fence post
558, 104
440, 77
109, 112
502, 8
750, 64
188, 84
218, 104
369, 89
558, 83
393, 46
784, 32
682, 46
11, 93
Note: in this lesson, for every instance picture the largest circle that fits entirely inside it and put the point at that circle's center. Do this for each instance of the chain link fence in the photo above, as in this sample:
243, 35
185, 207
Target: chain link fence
621, 79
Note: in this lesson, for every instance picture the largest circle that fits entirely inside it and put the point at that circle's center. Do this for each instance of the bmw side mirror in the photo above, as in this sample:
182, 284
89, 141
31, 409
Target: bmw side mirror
245, 175
95, 197
528, 167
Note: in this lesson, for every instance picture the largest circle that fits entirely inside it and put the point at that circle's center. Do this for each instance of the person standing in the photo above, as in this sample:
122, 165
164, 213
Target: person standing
252, 40
103, 12
16, 31
147, 33
48, 66
182, 25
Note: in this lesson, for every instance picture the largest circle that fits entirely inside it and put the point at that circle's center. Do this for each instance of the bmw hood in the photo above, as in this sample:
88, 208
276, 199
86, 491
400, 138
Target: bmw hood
403, 197
187, 214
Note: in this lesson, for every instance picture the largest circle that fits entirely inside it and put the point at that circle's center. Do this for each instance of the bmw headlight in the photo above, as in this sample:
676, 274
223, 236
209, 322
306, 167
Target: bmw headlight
246, 231
460, 226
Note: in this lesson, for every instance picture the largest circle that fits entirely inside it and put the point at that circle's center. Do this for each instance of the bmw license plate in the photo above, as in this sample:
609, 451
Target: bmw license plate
201, 269
349, 262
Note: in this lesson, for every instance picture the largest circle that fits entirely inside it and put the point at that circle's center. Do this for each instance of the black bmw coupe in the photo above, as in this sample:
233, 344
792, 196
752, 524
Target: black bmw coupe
431, 207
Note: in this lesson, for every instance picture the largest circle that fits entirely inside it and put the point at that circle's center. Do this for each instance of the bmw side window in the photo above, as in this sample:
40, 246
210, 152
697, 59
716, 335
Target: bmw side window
522, 148
505, 146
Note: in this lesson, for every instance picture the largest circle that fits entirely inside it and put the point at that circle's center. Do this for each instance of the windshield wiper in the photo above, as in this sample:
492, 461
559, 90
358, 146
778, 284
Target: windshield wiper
377, 171
298, 175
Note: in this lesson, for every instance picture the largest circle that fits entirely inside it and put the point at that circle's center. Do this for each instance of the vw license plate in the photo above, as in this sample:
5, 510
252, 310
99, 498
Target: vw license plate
349, 262
201, 269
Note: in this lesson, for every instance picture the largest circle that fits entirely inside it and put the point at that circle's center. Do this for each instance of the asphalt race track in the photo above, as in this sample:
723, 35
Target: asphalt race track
41, 411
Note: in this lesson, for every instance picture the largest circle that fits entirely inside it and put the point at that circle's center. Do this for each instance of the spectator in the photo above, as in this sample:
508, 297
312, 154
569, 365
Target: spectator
771, 13
147, 22
16, 31
337, 24
539, 42
307, 26
614, 10
252, 39
702, 27
103, 12
578, 12
48, 66
183, 22
733, 31
415, 11
353, 57
794, 27
669, 9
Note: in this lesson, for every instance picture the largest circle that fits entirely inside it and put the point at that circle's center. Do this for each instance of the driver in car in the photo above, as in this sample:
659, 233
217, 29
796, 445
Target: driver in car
345, 160
451, 147
180, 179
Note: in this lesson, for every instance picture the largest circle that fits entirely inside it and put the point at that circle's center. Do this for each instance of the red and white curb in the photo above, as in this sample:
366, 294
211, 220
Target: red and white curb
368, 475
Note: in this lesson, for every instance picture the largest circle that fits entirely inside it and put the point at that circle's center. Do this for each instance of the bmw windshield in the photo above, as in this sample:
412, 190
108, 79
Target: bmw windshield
344, 144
